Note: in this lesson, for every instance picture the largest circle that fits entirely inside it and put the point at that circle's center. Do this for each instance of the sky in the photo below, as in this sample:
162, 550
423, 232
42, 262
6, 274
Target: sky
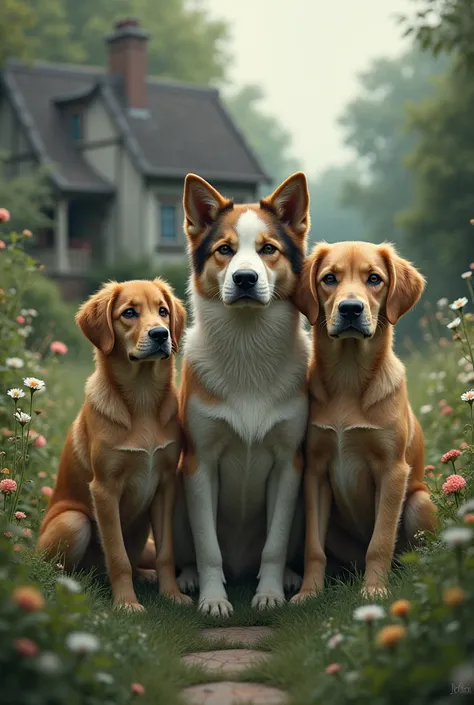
306, 55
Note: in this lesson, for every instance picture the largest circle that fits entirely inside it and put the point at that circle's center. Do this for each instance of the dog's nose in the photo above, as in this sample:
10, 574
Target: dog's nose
245, 278
159, 334
350, 309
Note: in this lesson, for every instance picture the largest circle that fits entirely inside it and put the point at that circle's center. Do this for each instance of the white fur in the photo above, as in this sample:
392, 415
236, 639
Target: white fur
242, 498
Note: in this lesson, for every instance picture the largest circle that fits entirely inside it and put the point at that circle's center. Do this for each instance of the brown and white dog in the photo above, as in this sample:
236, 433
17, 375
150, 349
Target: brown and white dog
117, 473
243, 398
364, 450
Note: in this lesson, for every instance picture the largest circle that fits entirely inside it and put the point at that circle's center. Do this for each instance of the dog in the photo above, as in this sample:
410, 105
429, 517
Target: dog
243, 395
364, 447
117, 472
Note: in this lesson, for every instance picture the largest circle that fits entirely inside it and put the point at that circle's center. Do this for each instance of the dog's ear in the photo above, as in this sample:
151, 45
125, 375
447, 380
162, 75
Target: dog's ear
305, 297
202, 205
177, 314
95, 318
290, 202
405, 287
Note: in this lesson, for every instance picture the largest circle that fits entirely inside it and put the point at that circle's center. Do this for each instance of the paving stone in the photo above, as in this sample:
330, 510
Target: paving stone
226, 661
243, 635
228, 693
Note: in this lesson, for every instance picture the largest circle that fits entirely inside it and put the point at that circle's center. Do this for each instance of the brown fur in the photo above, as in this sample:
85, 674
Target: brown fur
358, 395
117, 473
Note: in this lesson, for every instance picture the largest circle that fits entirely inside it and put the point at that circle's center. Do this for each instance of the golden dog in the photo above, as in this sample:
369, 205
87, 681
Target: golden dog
364, 447
117, 473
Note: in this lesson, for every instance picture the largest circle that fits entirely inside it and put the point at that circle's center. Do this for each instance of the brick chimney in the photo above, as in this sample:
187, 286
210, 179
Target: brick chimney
128, 59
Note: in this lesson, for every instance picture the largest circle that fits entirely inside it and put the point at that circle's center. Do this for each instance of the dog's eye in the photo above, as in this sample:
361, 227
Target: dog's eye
374, 279
330, 279
129, 313
163, 312
268, 249
225, 250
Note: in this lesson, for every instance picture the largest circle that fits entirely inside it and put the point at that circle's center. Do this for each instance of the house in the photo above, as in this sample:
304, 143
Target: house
119, 144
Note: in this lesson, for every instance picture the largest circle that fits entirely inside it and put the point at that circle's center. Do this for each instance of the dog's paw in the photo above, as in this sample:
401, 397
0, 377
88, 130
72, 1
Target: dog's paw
303, 596
178, 597
217, 607
291, 580
374, 592
130, 606
268, 600
146, 575
188, 579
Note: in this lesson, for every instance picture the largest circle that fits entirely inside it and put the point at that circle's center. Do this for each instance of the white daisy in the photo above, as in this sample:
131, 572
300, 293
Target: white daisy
34, 384
426, 408
15, 362
455, 536
104, 677
335, 640
32, 312
467, 396
369, 613
466, 275
69, 584
24, 332
49, 663
82, 643
454, 324
22, 418
459, 303
16, 393
466, 508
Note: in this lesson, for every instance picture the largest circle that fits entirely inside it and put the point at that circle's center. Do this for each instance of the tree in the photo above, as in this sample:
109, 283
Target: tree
16, 17
268, 138
375, 129
27, 198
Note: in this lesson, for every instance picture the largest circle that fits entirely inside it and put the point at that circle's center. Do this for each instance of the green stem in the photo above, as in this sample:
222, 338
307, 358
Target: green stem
459, 563
472, 424
15, 444
471, 290
471, 354
24, 448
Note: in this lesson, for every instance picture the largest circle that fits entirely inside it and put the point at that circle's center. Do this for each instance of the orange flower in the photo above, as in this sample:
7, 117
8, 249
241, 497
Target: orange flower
28, 598
469, 518
390, 636
452, 597
400, 608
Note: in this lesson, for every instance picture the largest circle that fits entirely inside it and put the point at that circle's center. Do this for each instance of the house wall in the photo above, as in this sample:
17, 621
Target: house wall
14, 143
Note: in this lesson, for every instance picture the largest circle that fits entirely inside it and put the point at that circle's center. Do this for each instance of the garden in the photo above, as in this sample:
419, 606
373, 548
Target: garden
62, 642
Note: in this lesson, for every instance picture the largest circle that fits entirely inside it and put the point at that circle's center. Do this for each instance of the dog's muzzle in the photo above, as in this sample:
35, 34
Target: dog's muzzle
245, 287
156, 345
351, 321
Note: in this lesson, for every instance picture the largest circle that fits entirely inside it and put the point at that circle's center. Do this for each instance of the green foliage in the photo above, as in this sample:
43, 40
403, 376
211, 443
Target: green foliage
16, 17
267, 137
374, 124
26, 197
185, 42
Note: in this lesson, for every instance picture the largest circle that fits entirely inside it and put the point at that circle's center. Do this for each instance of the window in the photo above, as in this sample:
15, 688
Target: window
76, 127
168, 222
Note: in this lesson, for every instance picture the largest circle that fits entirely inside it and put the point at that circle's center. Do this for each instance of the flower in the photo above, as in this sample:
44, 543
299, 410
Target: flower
335, 640
466, 507
104, 677
20, 515
27, 533
467, 396
390, 635
16, 393
22, 418
368, 613
442, 303
452, 597
8, 486
28, 598
26, 647
58, 348
332, 669
137, 689
40, 441
36, 385
4, 215
400, 608
20, 320
455, 536
466, 275
450, 455
82, 643
69, 584
458, 304
445, 411
469, 518
47, 491
15, 362
17, 547
454, 483
426, 408
27, 233
47, 662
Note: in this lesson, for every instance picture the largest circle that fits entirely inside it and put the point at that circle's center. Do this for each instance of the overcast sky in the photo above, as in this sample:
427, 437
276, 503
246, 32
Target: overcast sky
306, 55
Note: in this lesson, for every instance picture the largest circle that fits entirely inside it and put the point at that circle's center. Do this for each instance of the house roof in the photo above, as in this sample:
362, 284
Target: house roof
186, 128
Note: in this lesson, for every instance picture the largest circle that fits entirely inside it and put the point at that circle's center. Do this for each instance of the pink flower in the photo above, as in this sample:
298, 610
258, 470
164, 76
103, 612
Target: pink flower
27, 533
332, 669
58, 348
42, 474
4, 215
20, 319
446, 410
464, 445
20, 515
450, 455
8, 486
137, 689
26, 647
2, 245
40, 441
454, 483
441, 403
17, 547
27, 233
47, 491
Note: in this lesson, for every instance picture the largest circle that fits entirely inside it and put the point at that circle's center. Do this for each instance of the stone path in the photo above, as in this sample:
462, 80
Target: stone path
230, 662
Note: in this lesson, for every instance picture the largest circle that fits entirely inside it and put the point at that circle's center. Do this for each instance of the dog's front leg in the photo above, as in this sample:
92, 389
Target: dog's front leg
282, 494
390, 494
106, 504
201, 491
